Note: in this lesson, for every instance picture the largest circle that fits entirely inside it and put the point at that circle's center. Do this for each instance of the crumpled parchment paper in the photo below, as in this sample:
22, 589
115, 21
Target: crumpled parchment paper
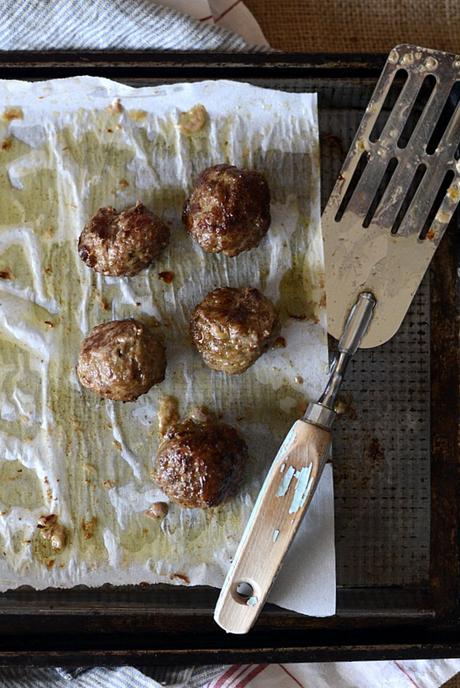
65, 150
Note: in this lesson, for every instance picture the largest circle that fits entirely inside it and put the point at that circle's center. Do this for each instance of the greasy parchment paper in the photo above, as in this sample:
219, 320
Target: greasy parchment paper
64, 153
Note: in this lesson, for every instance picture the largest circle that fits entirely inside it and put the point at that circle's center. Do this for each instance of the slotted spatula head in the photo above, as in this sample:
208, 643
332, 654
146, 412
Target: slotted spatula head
397, 190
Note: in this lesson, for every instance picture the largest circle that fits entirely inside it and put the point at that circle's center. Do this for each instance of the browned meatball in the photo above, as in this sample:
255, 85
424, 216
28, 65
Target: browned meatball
121, 360
231, 328
228, 210
123, 243
200, 464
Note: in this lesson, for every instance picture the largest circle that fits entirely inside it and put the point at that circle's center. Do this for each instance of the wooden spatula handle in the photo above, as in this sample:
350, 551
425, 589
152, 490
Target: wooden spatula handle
282, 502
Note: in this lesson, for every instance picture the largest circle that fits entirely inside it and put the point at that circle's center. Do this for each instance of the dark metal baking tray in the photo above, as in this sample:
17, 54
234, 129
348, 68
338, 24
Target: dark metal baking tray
396, 451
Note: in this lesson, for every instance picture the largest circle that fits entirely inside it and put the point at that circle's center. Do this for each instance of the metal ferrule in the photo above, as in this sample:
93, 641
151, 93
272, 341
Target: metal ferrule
323, 412
320, 415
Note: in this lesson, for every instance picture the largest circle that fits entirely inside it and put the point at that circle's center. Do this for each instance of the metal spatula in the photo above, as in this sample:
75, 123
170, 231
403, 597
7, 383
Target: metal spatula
396, 193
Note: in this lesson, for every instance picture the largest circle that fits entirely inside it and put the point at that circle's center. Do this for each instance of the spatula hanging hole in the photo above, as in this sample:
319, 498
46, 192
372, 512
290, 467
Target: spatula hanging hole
411, 191
387, 175
392, 96
444, 118
353, 183
245, 594
446, 182
426, 89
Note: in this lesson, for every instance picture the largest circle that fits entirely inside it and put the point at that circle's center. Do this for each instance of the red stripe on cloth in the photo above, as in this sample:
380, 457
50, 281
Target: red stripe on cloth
252, 674
406, 674
229, 9
205, 18
291, 675
219, 682
245, 669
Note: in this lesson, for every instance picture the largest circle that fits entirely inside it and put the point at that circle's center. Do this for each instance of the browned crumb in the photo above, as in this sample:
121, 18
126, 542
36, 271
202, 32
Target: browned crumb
123, 183
13, 113
108, 484
168, 413
52, 530
49, 492
157, 510
193, 120
115, 106
180, 576
299, 379
6, 144
89, 527
117, 444
6, 274
167, 276
49, 323
279, 343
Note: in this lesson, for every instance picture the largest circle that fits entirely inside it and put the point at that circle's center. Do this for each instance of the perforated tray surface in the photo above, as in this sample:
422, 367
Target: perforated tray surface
382, 446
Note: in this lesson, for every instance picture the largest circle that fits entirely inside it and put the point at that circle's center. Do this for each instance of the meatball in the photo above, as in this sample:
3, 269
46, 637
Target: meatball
123, 243
121, 360
228, 210
200, 463
231, 328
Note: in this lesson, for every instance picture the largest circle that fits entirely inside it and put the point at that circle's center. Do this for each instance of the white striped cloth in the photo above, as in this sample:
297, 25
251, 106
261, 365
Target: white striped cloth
116, 24
389, 674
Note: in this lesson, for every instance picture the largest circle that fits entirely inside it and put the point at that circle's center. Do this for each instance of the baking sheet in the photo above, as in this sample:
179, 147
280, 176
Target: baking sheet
64, 153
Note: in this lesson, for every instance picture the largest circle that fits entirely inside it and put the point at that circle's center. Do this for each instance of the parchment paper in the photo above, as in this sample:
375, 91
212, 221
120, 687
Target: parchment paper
65, 152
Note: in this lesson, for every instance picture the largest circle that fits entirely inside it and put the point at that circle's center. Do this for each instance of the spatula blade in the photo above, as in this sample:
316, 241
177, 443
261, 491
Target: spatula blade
397, 190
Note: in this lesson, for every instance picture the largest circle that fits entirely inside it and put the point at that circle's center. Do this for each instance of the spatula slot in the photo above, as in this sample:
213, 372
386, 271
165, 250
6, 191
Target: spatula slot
411, 191
444, 118
446, 182
391, 98
417, 109
387, 175
353, 183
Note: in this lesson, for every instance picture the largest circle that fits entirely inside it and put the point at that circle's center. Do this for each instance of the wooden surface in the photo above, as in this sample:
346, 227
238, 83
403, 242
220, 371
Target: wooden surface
357, 26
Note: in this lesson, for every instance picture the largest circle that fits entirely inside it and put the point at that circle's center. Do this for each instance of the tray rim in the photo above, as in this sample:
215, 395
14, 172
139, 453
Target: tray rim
280, 636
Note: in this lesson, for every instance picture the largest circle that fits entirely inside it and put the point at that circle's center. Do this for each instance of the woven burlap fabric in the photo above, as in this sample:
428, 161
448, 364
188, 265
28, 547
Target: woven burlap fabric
358, 25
